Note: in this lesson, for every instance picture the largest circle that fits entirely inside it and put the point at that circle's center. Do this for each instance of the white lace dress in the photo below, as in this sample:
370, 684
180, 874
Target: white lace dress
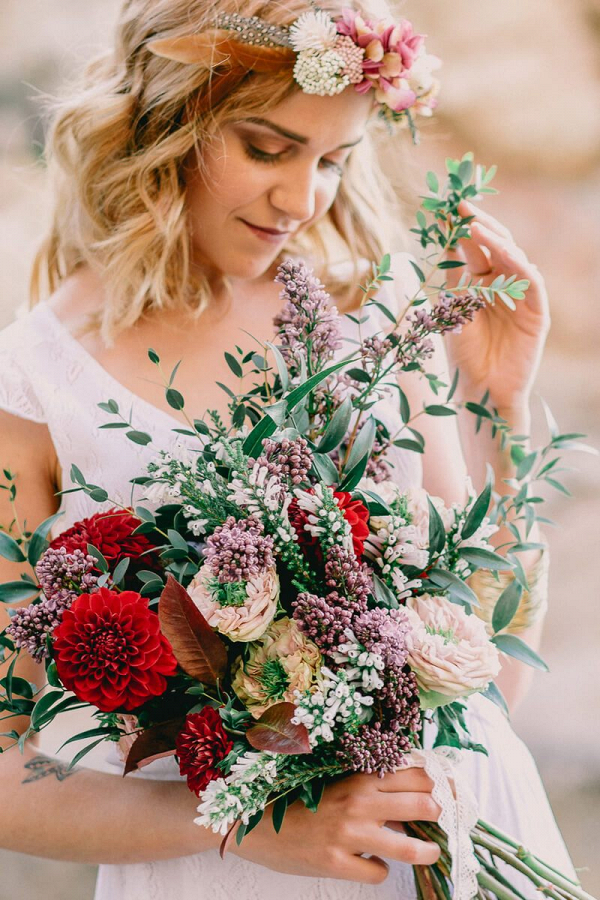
46, 376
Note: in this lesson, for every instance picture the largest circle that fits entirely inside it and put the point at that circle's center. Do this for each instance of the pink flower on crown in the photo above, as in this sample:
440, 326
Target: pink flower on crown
390, 51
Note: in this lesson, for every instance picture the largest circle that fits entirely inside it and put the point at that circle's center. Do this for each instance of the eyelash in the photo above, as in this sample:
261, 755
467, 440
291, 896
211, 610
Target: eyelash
271, 158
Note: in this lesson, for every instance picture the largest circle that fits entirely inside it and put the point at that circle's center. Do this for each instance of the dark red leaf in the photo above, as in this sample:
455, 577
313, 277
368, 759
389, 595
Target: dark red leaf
229, 839
155, 742
198, 649
276, 732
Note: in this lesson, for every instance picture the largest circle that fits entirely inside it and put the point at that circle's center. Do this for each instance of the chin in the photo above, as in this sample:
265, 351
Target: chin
247, 266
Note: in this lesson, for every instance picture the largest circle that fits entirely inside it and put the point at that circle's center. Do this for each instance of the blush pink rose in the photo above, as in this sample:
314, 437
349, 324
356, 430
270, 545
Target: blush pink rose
449, 651
245, 621
282, 662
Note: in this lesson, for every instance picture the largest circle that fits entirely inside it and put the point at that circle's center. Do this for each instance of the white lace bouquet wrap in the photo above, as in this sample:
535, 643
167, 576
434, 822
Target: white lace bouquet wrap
458, 814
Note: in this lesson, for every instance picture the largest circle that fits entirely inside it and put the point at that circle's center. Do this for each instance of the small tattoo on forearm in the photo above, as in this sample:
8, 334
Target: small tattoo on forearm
42, 766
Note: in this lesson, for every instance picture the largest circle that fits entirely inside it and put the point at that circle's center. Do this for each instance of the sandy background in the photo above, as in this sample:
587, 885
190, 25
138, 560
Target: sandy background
521, 89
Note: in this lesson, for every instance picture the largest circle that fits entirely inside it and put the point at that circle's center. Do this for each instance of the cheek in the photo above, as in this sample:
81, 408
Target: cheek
324, 198
223, 181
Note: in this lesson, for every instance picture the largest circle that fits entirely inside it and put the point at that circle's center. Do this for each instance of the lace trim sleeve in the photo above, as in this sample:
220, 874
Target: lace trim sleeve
17, 395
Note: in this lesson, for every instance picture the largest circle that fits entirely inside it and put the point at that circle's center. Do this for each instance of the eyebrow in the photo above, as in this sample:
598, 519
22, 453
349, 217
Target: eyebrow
291, 135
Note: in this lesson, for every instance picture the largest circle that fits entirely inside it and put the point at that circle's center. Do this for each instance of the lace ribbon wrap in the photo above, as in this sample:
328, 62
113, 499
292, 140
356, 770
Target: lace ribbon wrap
459, 813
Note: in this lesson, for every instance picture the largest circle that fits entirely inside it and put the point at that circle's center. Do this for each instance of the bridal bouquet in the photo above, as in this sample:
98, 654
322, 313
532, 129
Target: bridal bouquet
276, 612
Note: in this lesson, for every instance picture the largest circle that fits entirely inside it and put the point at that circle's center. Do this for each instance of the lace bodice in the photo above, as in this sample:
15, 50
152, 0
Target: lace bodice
47, 376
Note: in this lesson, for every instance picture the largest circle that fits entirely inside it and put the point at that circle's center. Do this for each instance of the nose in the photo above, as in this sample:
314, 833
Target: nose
295, 194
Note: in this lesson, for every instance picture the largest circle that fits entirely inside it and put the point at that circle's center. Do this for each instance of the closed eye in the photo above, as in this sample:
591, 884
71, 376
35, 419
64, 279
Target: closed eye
271, 158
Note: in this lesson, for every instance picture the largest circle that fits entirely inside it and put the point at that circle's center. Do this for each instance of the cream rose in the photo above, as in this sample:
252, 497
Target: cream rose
416, 499
449, 651
246, 613
283, 661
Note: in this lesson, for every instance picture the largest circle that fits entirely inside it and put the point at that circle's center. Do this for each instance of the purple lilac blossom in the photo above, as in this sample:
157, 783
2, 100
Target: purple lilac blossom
344, 571
373, 748
307, 320
64, 576
287, 459
238, 550
30, 625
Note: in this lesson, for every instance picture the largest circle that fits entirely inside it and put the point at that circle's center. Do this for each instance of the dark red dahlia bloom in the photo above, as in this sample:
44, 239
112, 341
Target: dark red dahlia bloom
200, 746
355, 513
111, 532
110, 652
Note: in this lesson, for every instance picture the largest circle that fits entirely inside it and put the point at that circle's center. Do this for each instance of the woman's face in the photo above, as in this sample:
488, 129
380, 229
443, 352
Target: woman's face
266, 179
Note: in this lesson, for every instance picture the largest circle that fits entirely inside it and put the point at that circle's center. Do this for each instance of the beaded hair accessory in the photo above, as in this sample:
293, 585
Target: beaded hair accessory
324, 56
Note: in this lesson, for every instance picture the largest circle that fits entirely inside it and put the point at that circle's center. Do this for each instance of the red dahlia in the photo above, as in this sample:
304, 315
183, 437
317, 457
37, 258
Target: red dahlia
111, 532
355, 513
110, 652
200, 746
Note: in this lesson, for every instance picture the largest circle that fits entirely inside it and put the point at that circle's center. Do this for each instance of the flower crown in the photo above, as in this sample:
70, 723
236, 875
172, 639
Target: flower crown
328, 55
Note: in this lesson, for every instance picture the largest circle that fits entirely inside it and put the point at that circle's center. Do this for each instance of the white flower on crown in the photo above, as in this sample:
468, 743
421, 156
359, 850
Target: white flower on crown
420, 76
314, 30
320, 72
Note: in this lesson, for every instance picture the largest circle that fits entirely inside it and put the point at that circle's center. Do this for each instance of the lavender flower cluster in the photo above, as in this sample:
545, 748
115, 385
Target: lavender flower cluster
62, 576
343, 626
238, 550
308, 324
287, 459
450, 313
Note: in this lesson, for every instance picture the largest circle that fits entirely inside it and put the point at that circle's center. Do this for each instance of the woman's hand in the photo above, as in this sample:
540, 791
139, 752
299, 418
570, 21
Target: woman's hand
349, 822
501, 349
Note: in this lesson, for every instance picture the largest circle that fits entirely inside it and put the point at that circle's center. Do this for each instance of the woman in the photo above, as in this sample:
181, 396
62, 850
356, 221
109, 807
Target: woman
179, 188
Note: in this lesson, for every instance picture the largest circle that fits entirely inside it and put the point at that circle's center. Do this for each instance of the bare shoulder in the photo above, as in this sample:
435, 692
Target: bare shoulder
76, 299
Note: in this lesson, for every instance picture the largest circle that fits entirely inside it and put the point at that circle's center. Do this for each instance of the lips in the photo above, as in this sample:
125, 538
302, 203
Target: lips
270, 235
273, 231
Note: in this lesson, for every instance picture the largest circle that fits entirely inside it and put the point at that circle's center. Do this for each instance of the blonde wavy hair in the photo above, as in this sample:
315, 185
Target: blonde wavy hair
116, 153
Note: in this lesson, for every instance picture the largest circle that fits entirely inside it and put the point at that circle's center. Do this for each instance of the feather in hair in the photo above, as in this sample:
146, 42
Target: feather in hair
217, 48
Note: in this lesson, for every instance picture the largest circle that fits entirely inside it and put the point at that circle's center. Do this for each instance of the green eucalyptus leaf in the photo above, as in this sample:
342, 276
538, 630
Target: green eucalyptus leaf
337, 428
506, 606
234, 365
10, 549
477, 512
281, 365
513, 646
38, 541
493, 693
383, 594
100, 559
436, 409
458, 590
139, 437
362, 445
121, 569
325, 468
484, 559
437, 532
279, 811
16, 591
175, 399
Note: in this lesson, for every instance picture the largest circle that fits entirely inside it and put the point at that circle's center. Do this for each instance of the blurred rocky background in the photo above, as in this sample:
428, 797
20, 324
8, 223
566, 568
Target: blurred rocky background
521, 88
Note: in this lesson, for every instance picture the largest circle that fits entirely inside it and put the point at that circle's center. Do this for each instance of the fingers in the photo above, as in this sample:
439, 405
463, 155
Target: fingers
468, 209
477, 256
406, 807
409, 779
502, 255
368, 870
398, 846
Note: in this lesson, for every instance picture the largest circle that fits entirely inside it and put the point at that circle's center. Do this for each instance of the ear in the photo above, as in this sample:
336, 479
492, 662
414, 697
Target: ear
193, 49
